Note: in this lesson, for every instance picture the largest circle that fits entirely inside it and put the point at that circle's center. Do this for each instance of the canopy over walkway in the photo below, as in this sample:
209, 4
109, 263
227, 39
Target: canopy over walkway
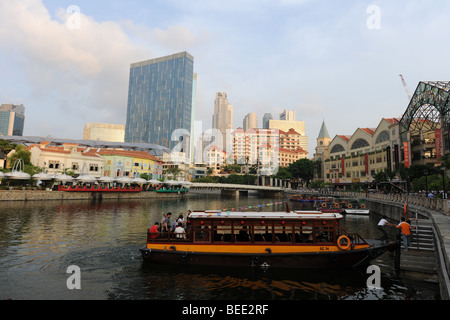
428, 109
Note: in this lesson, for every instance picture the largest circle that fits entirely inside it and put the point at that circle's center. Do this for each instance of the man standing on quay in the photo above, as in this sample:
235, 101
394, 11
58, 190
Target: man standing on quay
405, 228
381, 226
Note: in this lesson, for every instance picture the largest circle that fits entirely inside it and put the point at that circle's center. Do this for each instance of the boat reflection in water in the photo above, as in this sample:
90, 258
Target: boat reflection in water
224, 282
292, 239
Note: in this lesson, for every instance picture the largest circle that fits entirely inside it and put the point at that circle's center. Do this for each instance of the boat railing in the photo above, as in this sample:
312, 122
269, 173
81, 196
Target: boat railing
167, 236
355, 238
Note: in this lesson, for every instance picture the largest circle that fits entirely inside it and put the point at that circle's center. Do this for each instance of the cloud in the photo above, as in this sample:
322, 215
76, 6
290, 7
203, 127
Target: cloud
77, 68
77, 73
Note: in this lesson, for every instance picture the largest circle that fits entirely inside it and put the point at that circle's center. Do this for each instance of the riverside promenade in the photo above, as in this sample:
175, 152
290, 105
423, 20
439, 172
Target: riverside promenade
43, 195
436, 211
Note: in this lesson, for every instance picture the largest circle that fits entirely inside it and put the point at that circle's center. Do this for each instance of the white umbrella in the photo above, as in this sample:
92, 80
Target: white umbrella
154, 181
171, 182
62, 177
139, 181
124, 180
42, 176
105, 179
86, 178
16, 173
2, 175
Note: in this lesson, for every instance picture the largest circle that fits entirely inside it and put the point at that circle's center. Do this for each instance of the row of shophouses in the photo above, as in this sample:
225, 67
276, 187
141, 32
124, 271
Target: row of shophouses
348, 159
343, 160
248, 148
93, 161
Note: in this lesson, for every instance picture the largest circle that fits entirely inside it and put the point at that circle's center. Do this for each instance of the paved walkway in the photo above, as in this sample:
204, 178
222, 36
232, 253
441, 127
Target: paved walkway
441, 223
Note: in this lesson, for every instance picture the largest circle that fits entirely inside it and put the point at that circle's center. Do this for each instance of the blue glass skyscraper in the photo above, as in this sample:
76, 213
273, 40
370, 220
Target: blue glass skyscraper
160, 99
12, 119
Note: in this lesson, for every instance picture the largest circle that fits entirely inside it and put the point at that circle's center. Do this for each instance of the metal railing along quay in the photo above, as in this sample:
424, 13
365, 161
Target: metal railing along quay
436, 210
437, 204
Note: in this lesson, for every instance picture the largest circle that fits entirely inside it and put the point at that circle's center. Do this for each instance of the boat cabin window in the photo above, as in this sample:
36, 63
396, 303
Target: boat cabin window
283, 232
242, 233
202, 233
260, 231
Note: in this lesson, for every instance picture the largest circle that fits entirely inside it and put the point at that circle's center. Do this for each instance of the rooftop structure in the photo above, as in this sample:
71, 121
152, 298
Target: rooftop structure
153, 149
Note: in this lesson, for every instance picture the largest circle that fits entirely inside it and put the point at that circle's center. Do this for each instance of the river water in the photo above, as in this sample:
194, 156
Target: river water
40, 240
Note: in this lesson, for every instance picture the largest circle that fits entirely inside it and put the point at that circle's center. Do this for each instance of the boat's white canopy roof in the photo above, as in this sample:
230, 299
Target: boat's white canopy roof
300, 215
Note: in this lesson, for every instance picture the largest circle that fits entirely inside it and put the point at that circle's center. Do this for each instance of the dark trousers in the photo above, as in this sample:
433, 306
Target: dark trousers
385, 235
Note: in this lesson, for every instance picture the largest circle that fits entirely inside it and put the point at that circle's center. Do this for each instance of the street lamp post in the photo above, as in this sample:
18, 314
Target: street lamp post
444, 171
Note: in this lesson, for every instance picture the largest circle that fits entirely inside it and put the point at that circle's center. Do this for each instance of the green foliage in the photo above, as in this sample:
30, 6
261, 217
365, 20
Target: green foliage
146, 176
283, 173
303, 169
247, 179
6, 146
21, 153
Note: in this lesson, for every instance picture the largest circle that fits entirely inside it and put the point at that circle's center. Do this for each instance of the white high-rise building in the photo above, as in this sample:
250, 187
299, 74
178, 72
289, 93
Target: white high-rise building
287, 115
104, 132
223, 115
250, 121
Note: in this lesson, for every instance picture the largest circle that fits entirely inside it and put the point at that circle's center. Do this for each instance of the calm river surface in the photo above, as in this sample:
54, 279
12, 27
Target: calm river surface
40, 240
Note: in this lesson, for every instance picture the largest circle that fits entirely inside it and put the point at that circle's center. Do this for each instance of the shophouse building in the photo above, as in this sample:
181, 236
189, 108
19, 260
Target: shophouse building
96, 162
357, 158
67, 158
131, 164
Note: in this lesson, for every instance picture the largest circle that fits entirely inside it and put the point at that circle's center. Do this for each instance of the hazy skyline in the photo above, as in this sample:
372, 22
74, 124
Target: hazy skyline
68, 62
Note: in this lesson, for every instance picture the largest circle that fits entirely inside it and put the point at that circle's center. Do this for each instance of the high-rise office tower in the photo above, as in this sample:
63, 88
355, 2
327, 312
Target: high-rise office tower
193, 114
104, 132
223, 115
250, 121
160, 99
12, 119
267, 117
287, 115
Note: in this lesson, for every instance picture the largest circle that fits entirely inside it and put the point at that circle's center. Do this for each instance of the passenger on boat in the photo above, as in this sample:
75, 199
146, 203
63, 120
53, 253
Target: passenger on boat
180, 219
243, 235
180, 233
174, 225
154, 230
168, 225
163, 227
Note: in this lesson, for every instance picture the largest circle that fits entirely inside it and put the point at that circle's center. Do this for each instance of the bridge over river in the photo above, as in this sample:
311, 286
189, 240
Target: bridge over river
235, 189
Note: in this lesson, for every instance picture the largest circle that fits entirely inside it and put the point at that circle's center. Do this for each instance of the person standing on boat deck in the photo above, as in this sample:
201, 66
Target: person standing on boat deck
381, 226
180, 219
163, 223
169, 215
405, 228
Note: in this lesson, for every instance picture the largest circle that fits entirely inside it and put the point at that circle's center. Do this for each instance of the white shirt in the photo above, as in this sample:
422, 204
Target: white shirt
382, 222
180, 233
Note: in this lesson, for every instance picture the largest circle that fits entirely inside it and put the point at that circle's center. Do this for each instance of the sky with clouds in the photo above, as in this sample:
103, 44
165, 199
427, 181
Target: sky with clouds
339, 61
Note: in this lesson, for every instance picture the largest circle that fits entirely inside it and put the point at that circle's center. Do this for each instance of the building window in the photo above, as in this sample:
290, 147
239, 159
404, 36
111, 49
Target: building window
337, 148
75, 166
382, 137
360, 143
93, 167
52, 164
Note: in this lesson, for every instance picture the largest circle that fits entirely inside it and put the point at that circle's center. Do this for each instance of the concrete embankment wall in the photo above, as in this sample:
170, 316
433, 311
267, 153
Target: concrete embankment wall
441, 226
39, 195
